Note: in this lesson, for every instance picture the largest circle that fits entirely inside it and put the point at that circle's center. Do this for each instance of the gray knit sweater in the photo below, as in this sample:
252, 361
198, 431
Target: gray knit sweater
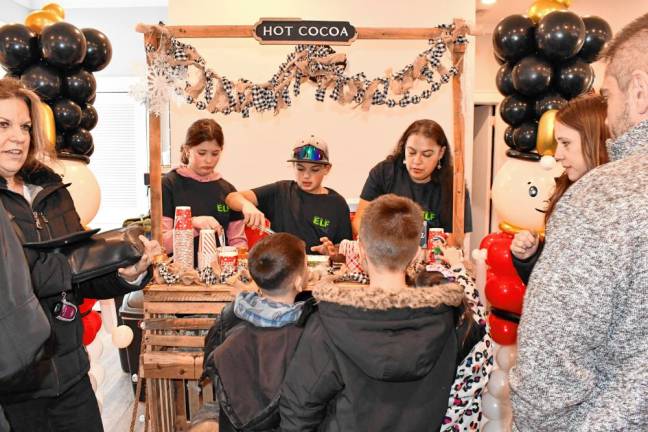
583, 338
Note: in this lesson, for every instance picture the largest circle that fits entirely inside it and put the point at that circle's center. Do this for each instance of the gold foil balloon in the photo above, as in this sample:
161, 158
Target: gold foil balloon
545, 141
567, 3
56, 8
40, 19
49, 126
542, 7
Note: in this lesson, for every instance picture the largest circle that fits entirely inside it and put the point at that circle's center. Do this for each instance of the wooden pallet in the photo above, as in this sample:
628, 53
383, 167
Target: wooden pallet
171, 357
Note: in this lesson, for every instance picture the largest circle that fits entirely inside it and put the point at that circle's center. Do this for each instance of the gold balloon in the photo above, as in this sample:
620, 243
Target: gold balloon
545, 141
542, 7
49, 127
512, 229
40, 19
58, 10
567, 3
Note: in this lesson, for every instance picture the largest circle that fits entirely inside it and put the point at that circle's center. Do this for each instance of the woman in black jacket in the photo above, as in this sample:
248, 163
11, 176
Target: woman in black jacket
55, 394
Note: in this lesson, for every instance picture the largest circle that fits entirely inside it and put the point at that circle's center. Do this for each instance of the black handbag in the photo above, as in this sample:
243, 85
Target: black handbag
91, 255
24, 327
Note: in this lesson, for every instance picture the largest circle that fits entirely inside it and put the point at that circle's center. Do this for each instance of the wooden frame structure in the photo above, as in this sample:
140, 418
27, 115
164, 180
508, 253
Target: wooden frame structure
246, 31
172, 395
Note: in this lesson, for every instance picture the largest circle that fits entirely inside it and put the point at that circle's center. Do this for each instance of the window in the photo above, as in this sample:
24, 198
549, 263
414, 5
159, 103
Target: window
120, 158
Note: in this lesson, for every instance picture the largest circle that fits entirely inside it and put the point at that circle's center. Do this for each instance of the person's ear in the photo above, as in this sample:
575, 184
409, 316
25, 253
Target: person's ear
639, 91
298, 282
442, 152
327, 169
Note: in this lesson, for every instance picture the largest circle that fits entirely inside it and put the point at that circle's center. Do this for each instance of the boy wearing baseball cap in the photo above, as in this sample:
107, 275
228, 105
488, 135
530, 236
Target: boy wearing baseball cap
302, 207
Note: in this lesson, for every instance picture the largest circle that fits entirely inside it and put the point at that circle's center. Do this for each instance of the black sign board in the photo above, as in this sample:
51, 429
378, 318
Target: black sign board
292, 31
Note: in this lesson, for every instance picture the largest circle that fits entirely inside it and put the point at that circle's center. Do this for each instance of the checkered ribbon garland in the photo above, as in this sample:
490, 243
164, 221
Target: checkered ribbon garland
319, 63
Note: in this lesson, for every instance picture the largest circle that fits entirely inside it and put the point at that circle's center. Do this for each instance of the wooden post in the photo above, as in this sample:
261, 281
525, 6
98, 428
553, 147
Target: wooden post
155, 177
459, 187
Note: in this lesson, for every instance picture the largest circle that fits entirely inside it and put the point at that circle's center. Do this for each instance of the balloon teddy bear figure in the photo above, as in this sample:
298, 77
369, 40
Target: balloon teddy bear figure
520, 193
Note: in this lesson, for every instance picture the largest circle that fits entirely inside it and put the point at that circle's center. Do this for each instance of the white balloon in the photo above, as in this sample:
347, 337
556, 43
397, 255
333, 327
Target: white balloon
95, 349
495, 409
506, 357
98, 371
497, 426
84, 187
93, 381
498, 384
122, 336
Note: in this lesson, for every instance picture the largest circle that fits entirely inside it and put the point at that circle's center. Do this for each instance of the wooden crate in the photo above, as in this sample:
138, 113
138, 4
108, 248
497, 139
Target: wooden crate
171, 358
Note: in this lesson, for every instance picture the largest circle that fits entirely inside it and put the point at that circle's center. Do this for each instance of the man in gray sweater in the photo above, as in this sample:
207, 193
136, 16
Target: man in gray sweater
583, 338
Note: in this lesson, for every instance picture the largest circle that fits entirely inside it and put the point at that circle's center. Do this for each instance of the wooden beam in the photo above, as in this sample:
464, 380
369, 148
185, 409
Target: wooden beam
247, 31
459, 186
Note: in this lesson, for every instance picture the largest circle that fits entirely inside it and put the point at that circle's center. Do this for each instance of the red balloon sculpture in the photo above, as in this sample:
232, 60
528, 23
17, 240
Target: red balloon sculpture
90, 320
504, 288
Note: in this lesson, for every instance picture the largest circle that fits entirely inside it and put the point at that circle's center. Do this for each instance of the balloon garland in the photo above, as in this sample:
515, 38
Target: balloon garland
545, 61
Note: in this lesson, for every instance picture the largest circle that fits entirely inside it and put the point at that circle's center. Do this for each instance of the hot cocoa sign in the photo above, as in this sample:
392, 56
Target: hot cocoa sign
294, 31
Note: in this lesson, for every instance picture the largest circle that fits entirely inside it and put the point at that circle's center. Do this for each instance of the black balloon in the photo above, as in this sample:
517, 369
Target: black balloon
79, 142
89, 117
548, 102
560, 35
63, 45
498, 59
532, 75
504, 80
525, 135
89, 151
92, 99
515, 110
508, 137
99, 50
18, 47
574, 77
44, 80
534, 157
80, 86
60, 143
597, 33
513, 37
67, 115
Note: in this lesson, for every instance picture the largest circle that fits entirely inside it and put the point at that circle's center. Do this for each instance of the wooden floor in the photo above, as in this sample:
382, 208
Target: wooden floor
117, 391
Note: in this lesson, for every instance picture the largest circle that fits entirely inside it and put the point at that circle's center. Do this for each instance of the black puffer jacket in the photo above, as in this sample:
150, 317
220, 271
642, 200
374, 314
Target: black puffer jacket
52, 215
373, 360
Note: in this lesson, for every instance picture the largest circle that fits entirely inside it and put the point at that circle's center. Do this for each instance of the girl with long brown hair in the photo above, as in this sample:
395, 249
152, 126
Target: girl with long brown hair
580, 132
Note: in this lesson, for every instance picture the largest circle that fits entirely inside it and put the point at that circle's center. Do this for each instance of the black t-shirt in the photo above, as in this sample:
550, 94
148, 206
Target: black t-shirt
204, 198
308, 216
392, 177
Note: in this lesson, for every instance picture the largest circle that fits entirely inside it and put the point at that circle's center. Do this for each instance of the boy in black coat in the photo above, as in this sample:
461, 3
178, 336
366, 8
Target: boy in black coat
377, 358
250, 345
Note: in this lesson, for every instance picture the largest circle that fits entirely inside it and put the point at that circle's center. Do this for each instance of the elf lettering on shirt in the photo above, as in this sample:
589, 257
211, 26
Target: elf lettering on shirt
321, 222
429, 216
222, 208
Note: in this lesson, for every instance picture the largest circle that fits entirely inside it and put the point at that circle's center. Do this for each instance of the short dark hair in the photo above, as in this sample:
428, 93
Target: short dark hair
274, 259
390, 231
627, 52
200, 131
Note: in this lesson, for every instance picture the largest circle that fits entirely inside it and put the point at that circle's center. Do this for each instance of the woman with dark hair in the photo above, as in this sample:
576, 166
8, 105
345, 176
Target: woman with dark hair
53, 394
196, 184
420, 168
580, 132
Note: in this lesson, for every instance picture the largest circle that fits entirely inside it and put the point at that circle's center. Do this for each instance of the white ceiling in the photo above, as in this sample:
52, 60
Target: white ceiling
84, 4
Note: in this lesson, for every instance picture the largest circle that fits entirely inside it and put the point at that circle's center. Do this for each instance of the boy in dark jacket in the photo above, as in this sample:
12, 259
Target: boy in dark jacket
377, 358
250, 345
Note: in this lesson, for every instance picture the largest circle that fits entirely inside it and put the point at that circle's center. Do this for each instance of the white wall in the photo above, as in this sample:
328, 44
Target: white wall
256, 148
12, 12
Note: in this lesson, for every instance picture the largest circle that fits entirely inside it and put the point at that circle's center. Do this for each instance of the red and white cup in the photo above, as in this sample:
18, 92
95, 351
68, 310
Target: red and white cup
228, 258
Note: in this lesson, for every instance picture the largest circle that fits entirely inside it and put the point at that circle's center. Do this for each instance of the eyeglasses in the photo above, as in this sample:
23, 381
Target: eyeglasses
309, 153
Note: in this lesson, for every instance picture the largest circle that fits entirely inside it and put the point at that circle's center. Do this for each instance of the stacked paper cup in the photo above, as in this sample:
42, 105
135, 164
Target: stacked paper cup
183, 238
206, 248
